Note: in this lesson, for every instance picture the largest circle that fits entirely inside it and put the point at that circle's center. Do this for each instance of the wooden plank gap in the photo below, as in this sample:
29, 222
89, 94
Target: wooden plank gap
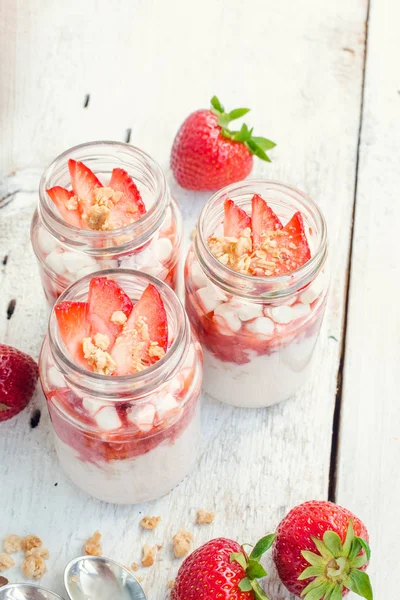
86, 101
341, 370
128, 135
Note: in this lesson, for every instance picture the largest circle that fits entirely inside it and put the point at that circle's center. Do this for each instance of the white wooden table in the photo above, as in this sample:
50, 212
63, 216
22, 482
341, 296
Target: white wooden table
322, 79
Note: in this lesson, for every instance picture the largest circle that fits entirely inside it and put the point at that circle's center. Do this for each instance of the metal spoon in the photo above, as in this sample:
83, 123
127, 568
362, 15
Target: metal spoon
26, 591
98, 578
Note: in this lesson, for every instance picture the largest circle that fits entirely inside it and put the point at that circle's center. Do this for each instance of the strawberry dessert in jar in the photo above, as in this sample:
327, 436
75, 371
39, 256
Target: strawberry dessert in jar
104, 205
256, 285
121, 371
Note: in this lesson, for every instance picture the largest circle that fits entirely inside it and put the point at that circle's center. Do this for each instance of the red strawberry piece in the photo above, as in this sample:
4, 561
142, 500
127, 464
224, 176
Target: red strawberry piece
263, 219
221, 570
84, 182
131, 206
321, 551
206, 155
236, 220
18, 377
74, 325
105, 298
60, 197
134, 341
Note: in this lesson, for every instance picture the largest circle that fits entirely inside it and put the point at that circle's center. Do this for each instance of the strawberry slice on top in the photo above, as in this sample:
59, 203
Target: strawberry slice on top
108, 307
131, 206
236, 220
74, 326
263, 219
68, 208
83, 182
145, 336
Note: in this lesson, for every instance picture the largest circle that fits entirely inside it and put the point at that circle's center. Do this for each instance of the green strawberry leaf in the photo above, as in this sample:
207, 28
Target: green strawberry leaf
322, 549
355, 548
365, 547
337, 593
258, 591
333, 542
215, 103
257, 150
236, 113
359, 561
239, 558
314, 559
264, 143
245, 585
311, 572
255, 570
359, 583
262, 546
314, 584
349, 538
317, 592
331, 591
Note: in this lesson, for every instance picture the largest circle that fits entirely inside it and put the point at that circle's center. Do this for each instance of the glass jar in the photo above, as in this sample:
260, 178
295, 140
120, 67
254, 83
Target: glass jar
126, 439
152, 244
258, 333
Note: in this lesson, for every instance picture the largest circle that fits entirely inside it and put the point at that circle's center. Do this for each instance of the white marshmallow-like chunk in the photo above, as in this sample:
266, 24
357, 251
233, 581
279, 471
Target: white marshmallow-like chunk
55, 262
75, 261
315, 288
211, 297
142, 416
199, 277
301, 310
92, 406
144, 258
248, 311
163, 249
262, 326
229, 315
282, 314
164, 404
86, 271
107, 418
55, 378
47, 243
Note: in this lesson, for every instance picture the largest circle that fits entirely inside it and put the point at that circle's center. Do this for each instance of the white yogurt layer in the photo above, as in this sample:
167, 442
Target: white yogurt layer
138, 479
263, 381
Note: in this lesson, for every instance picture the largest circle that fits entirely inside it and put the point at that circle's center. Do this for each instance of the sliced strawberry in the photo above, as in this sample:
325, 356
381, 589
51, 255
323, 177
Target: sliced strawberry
133, 343
105, 298
236, 220
295, 229
263, 219
73, 324
84, 182
60, 197
130, 207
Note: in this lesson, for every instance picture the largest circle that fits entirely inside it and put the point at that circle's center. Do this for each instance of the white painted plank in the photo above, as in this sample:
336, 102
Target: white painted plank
304, 87
368, 469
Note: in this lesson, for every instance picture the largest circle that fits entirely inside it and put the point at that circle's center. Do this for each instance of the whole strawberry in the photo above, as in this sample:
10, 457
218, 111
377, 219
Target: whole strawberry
222, 570
321, 551
18, 376
207, 155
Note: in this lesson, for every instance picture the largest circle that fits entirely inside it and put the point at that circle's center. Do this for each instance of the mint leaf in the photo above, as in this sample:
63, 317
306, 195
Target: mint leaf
255, 570
236, 113
359, 582
262, 546
239, 558
255, 149
215, 103
258, 591
333, 542
245, 585
264, 143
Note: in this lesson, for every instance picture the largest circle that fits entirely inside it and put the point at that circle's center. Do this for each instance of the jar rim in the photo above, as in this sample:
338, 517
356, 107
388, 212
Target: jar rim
283, 285
144, 227
142, 382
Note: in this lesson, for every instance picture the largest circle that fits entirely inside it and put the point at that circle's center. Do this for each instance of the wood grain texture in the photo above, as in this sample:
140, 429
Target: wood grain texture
145, 69
368, 469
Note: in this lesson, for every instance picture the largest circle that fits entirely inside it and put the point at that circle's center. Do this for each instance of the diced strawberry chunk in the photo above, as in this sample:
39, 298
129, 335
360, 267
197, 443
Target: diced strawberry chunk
106, 298
83, 182
73, 324
131, 206
263, 219
291, 247
236, 220
134, 345
60, 197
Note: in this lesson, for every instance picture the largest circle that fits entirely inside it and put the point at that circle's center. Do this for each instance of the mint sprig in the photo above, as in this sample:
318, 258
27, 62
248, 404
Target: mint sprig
256, 144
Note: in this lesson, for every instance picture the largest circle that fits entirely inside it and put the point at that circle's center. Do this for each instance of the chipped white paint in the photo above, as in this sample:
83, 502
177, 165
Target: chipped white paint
146, 65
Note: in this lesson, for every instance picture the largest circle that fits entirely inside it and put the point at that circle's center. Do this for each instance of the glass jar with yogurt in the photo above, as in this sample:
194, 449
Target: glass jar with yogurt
258, 333
66, 252
131, 438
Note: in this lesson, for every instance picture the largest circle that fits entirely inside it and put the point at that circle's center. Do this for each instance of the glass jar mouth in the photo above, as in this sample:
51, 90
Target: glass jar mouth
119, 154
249, 286
142, 382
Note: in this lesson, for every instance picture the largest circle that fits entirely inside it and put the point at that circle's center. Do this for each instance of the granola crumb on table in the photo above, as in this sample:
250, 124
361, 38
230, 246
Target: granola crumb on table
42, 552
92, 546
149, 555
31, 541
204, 517
34, 567
12, 543
181, 543
6, 561
150, 522
171, 583
135, 567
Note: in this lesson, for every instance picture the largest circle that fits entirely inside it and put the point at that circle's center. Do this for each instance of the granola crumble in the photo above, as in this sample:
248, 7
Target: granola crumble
96, 354
118, 317
140, 343
181, 543
149, 555
97, 217
92, 546
43, 552
150, 522
34, 567
72, 203
204, 517
135, 567
6, 561
171, 584
31, 541
12, 543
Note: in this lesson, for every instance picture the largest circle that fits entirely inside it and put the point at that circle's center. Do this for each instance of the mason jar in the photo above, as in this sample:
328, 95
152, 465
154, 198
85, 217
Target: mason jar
132, 438
258, 333
152, 244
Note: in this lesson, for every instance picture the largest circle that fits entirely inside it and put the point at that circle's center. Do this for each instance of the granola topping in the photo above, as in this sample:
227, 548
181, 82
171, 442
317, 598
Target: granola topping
181, 543
12, 543
204, 517
149, 555
105, 199
72, 203
118, 317
92, 546
34, 567
94, 350
150, 522
6, 561
97, 217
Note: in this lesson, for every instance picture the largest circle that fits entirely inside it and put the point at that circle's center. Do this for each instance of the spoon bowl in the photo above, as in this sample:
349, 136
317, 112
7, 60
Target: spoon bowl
99, 578
26, 591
